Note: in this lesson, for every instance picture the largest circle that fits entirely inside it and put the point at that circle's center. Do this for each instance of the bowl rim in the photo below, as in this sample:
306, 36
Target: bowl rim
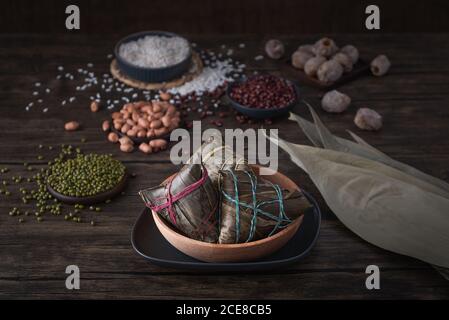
142, 34
96, 198
294, 224
269, 110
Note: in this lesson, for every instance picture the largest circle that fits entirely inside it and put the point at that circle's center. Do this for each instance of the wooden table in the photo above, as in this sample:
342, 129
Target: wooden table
413, 98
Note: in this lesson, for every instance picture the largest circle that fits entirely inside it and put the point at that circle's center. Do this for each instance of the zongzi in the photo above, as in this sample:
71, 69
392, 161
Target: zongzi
253, 208
188, 201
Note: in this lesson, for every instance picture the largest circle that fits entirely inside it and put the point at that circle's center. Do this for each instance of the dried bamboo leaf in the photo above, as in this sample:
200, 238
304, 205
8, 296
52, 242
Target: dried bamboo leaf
362, 149
379, 203
443, 271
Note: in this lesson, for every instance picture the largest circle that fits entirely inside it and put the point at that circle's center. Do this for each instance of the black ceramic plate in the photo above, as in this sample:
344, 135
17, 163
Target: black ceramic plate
150, 244
261, 113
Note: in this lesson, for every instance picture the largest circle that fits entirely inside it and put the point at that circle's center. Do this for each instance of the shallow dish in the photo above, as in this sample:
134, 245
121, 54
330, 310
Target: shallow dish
148, 242
360, 68
101, 197
151, 75
213, 252
261, 113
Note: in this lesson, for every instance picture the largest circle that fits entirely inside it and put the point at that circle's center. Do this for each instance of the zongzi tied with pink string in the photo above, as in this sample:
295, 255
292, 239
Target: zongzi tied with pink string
188, 201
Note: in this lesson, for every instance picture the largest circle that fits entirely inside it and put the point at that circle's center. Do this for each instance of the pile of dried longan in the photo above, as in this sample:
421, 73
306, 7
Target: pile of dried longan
326, 62
144, 120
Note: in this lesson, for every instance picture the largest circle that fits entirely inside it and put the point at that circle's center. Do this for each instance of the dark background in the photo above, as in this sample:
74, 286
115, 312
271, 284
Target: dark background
224, 16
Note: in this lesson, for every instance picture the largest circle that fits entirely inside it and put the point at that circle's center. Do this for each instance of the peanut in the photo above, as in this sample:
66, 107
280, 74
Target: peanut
157, 115
125, 140
71, 126
125, 128
150, 133
143, 122
116, 115
161, 131
141, 134
132, 132
126, 147
158, 143
135, 116
94, 106
113, 137
147, 108
106, 126
157, 107
165, 96
166, 120
145, 148
118, 125
155, 124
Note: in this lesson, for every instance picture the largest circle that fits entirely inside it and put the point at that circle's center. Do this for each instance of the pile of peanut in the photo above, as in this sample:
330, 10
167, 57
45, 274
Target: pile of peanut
149, 120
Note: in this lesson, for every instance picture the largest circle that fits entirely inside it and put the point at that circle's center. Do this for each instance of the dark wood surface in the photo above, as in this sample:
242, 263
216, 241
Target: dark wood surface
224, 17
413, 98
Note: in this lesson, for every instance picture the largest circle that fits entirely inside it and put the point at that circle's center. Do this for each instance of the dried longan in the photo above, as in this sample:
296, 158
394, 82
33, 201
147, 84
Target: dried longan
380, 65
274, 49
312, 65
344, 60
334, 101
299, 59
352, 52
306, 48
325, 47
368, 119
329, 72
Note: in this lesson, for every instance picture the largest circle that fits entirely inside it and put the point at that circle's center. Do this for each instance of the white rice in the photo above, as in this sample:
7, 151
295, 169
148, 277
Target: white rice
155, 51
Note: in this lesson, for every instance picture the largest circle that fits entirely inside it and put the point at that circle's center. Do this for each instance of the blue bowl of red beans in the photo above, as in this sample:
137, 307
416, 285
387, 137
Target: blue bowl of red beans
263, 96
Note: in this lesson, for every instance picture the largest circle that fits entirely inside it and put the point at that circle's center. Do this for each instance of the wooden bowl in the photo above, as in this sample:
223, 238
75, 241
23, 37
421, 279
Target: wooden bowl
214, 252
256, 113
97, 198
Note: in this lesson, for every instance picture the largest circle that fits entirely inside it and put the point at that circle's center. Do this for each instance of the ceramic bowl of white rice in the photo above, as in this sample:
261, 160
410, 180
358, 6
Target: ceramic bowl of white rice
153, 56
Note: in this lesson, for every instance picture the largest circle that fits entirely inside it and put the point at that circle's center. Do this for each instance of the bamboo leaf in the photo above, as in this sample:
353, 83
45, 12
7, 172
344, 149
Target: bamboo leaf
379, 203
362, 148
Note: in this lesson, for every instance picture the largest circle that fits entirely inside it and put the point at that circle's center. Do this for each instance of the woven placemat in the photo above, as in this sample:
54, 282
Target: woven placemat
195, 69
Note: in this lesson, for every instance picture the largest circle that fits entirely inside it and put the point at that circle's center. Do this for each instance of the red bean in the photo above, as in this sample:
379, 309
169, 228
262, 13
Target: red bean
264, 92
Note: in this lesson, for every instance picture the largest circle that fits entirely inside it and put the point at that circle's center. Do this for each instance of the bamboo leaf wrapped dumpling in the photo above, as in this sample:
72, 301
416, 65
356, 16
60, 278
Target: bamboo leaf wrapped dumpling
253, 208
216, 156
188, 201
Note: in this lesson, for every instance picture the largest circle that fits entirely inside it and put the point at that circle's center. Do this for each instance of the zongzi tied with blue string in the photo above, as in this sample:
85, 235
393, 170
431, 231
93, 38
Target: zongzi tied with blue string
188, 201
253, 208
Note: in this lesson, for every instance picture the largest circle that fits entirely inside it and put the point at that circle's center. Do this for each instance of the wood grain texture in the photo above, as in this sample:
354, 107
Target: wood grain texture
221, 17
413, 99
